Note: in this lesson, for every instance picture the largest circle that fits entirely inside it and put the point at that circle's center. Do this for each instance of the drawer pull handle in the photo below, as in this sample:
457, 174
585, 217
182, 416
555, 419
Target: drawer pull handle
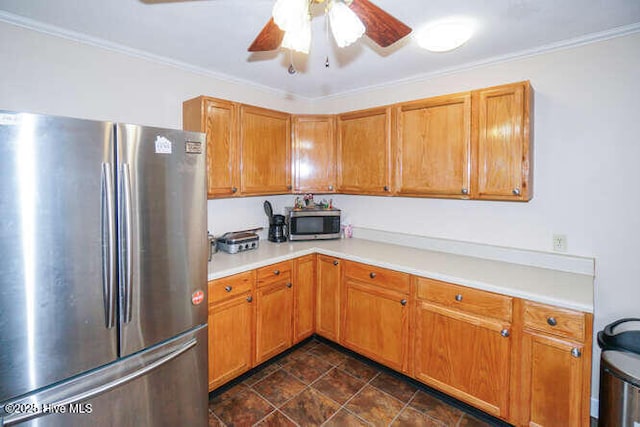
228, 288
465, 191
249, 298
516, 191
336, 262
289, 285
403, 302
552, 321
459, 297
234, 189
575, 352
372, 275
276, 272
505, 333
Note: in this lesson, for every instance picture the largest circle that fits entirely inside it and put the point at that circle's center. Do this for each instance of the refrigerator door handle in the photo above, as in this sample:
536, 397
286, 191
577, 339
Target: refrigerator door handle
108, 246
64, 401
126, 242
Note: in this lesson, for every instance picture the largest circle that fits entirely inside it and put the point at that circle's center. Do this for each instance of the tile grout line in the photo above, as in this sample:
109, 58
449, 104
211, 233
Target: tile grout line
403, 408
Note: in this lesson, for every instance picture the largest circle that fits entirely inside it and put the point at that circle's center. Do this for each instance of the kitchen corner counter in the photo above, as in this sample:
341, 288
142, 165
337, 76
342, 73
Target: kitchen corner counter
559, 288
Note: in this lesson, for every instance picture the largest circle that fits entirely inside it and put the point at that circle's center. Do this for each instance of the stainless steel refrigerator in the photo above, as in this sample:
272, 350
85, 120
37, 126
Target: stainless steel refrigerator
102, 274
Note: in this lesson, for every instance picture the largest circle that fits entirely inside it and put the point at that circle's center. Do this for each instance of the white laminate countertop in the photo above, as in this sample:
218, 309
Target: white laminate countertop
563, 289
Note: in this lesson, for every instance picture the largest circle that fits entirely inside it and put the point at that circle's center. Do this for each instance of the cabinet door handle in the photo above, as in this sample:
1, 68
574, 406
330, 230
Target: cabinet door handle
403, 302
575, 352
331, 188
505, 333
289, 187
228, 288
249, 298
276, 272
516, 191
459, 297
385, 188
372, 275
289, 285
552, 321
336, 262
465, 191
234, 189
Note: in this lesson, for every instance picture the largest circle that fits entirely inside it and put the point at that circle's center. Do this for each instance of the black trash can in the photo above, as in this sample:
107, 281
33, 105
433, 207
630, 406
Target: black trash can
620, 374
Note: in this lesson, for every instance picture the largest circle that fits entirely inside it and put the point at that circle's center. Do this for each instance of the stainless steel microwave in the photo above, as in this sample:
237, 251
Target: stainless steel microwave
312, 224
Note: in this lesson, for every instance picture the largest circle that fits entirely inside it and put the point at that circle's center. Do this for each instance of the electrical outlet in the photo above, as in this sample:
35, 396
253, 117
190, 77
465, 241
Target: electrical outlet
560, 242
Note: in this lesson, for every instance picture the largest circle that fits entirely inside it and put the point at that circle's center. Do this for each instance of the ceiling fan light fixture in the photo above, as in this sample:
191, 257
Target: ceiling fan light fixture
298, 39
346, 27
444, 36
290, 15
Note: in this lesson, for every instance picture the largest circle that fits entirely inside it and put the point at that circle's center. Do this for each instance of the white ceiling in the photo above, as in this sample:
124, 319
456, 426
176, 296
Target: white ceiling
213, 35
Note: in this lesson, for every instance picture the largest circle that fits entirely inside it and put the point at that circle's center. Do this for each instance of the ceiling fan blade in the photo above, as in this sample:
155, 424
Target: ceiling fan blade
381, 27
269, 38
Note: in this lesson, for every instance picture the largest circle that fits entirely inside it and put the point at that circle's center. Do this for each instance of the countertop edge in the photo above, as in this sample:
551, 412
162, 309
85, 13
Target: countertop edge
295, 253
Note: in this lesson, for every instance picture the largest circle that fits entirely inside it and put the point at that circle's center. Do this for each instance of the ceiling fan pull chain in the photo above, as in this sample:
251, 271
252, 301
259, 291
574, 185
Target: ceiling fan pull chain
326, 34
291, 70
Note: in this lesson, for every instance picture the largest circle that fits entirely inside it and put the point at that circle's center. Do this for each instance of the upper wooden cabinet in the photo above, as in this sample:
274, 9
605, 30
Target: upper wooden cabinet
364, 151
501, 142
314, 154
218, 118
434, 147
265, 151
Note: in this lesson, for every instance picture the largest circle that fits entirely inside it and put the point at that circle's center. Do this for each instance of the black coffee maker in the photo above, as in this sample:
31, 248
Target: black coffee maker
276, 225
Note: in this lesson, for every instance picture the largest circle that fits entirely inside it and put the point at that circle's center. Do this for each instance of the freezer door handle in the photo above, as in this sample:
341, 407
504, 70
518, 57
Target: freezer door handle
126, 252
108, 246
58, 398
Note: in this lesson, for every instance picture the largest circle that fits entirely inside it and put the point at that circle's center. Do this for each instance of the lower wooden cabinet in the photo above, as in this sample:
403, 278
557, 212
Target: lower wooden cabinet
376, 324
231, 327
304, 297
465, 356
274, 311
329, 279
524, 362
556, 367
375, 314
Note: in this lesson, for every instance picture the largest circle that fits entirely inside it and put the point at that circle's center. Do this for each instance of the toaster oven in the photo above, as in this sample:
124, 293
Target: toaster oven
312, 223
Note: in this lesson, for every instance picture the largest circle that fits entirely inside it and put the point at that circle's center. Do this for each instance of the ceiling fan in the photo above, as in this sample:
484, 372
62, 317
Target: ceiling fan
378, 25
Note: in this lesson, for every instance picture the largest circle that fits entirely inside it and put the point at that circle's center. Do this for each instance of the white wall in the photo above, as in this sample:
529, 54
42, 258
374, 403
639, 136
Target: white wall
45, 74
587, 123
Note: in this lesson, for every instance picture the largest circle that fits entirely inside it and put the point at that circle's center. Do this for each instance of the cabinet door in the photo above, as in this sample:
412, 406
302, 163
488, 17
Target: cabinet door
304, 297
328, 297
434, 147
218, 118
273, 319
364, 152
376, 323
464, 356
553, 382
314, 154
265, 151
230, 337
501, 142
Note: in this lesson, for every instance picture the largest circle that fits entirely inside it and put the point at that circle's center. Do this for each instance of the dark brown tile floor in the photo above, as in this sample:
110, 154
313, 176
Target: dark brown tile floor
317, 385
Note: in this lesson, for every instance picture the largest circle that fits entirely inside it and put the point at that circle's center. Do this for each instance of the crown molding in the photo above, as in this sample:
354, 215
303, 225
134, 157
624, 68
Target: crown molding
523, 54
119, 48
56, 31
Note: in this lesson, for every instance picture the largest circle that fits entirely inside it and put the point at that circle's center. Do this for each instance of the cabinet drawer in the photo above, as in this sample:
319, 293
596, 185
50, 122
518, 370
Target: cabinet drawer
274, 272
554, 320
382, 277
221, 289
469, 300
